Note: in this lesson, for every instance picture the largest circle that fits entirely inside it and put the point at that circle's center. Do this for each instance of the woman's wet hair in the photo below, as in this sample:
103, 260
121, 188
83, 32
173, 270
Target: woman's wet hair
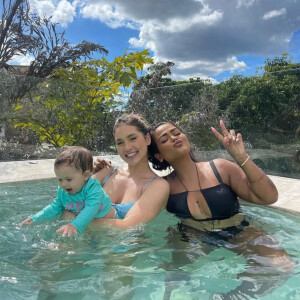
133, 120
77, 156
161, 165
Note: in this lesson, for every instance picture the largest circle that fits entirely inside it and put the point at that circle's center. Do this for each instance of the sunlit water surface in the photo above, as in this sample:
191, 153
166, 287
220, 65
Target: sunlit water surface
148, 262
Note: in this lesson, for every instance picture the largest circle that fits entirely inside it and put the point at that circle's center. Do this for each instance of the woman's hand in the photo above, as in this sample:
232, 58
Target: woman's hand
232, 142
101, 163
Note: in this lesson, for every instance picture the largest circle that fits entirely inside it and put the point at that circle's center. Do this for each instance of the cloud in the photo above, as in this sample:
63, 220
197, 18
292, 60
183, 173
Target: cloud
21, 60
108, 14
274, 13
45, 7
204, 69
211, 34
246, 3
62, 12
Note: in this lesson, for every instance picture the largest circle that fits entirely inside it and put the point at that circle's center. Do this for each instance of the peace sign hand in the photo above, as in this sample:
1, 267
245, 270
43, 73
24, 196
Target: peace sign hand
232, 142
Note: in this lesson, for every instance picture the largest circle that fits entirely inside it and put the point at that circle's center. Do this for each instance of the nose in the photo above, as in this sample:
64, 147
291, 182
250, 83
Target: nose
127, 146
63, 184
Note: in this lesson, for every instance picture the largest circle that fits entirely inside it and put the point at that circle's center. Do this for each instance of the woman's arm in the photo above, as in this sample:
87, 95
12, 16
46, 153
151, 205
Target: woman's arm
248, 181
147, 207
250, 184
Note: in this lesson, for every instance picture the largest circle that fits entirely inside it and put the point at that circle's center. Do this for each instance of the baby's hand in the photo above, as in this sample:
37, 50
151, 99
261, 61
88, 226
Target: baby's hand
26, 221
67, 230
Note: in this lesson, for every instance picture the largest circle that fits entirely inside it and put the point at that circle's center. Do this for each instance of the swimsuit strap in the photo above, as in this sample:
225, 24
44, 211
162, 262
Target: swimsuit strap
148, 182
108, 176
212, 164
197, 177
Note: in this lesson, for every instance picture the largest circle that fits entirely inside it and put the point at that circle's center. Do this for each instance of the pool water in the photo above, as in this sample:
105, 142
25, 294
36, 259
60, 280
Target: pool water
155, 261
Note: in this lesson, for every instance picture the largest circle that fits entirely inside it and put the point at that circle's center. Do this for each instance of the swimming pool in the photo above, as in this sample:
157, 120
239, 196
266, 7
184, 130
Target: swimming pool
155, 261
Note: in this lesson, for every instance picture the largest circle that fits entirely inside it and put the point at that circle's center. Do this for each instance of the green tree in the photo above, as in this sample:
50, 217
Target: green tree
77, 105
158, 97
282, 63
203, 114
268, 104
24, 33
229, 90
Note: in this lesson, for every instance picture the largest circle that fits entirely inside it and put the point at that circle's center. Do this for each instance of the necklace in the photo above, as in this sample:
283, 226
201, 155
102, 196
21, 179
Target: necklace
197, 178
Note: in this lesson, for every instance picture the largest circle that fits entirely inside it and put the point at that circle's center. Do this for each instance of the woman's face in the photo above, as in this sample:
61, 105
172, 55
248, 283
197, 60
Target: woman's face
131, 144
171, 142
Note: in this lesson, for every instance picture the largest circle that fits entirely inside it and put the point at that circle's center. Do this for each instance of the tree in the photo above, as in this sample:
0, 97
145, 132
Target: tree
269, 104
229, 90
24, 33
77, 105
160, 98
52, 51
13, 39
203, 114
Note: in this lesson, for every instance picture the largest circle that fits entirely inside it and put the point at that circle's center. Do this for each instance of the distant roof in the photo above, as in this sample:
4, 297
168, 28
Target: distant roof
18, 69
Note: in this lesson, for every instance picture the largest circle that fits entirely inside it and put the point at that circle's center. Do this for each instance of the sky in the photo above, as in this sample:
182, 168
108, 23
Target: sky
212, 39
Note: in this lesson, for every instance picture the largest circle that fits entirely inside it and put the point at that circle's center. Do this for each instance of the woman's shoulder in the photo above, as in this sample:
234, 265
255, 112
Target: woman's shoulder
161, 181
221, 162
157, 183
159, 190
225, 167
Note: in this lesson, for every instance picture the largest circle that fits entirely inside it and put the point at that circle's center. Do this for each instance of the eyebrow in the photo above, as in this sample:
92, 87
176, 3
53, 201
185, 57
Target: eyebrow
128, 137
164, 134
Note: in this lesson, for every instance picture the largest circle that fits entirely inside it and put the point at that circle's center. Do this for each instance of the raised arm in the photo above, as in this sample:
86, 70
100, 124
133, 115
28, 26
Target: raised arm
248, 181
147, 207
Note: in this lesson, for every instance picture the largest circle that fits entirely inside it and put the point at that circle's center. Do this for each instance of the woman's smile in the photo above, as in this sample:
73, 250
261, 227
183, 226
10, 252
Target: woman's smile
132, 154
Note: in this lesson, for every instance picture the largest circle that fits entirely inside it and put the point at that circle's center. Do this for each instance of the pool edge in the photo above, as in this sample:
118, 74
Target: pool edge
30, 170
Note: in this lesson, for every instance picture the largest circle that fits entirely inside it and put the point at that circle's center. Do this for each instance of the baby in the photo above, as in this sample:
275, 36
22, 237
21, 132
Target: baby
77, 192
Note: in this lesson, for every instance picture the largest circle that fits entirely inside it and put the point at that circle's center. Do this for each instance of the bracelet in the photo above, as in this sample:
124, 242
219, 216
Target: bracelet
245, 161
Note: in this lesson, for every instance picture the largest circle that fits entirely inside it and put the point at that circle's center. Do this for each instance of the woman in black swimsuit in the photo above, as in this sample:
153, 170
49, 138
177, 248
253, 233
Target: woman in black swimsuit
204, 195
205, 191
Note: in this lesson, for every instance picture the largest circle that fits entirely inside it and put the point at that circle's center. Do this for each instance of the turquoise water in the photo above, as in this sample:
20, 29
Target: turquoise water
155, 261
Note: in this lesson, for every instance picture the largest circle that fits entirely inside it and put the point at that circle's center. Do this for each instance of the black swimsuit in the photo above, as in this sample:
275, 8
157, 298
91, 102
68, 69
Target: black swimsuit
221, 200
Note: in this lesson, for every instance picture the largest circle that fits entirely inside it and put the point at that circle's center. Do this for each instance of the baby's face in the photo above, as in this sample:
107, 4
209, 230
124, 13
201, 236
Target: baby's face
71, 179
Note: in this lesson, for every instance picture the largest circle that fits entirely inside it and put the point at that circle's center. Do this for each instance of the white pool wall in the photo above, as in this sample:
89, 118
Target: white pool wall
27, 170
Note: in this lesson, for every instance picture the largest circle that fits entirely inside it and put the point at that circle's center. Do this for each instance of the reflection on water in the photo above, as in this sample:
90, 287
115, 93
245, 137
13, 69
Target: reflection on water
151, 262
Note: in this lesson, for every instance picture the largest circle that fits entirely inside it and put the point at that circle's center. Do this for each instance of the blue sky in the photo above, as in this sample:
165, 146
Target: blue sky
204, 38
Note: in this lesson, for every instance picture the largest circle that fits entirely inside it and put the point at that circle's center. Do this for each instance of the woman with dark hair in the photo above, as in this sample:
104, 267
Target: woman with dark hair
204, 196
208, 191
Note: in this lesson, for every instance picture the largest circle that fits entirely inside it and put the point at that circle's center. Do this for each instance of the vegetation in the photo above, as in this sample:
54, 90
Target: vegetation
77, 105
24, 33
67, 97
268, 104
